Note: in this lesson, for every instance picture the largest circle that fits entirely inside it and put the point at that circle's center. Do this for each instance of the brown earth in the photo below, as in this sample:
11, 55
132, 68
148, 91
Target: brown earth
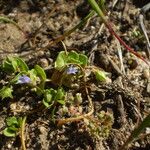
127, 97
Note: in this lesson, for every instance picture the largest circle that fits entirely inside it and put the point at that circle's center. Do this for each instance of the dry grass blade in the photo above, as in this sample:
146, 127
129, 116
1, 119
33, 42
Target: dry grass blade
141, 18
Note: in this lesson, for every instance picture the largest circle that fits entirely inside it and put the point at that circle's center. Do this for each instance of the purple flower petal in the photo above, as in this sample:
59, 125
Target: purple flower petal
23, 79
72, 70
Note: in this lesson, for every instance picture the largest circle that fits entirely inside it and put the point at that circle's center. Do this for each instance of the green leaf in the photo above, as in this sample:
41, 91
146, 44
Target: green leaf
48, 97
100, 75
74, 61
50, 91
61, 102
61, 60
59, 95
46, 104
9, 133
33, 76
40, 72
11, 121
14, 64
13, 124
136, 132
15, 79
73, 55
13, 128
22, 65
20, 120
9, 65
83, 59
145, 123
6, 92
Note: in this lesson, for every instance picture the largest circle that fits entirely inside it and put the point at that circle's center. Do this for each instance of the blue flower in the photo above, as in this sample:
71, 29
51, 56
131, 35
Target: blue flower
72, 70
23, 79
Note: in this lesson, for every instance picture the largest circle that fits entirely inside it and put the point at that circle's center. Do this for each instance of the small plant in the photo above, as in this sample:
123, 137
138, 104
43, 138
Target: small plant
20, 74
34, 79
14, 64
70, 66
99, 126
13, 126
66, 58
70, 71
52, 97
6, 92
100, 75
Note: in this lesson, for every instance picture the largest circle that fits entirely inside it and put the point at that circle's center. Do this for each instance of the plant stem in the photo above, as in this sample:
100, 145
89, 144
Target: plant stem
22, 133
97, 9
67, 33
78, 118
62, 37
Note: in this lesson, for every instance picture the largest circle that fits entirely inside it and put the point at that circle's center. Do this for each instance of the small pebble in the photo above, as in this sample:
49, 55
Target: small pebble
13, 106
132, 63
42, 129
147, 130
137, 144
148, 87
40, 53
108, 80
27, 107
43, 63
9, 146
146, 73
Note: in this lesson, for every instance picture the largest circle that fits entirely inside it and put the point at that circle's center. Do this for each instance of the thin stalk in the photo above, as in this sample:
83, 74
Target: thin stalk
62, 37
98, 10
22, 133
67, 33
80, 24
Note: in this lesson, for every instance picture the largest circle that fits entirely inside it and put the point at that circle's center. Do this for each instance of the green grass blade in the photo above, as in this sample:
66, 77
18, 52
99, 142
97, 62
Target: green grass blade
97, 9
136, 132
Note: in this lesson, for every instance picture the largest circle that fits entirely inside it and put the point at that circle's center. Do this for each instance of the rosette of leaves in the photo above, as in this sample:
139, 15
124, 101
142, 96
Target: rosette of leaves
19, 73
63, 59
13, 126
52, 97
6, 92
67, 67
13, 65
101, 125
38, 77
